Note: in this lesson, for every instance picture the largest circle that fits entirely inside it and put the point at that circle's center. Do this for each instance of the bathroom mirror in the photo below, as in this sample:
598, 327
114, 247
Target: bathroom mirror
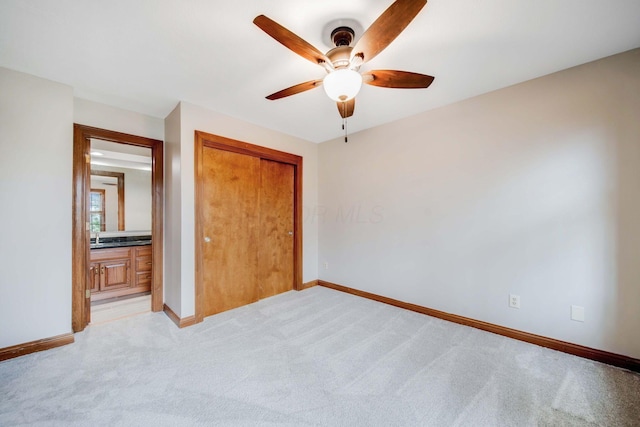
120, 198
106, 201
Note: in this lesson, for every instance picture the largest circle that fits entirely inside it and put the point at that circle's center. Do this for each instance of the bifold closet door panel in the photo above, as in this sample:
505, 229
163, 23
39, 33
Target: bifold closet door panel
231, 219
275, 260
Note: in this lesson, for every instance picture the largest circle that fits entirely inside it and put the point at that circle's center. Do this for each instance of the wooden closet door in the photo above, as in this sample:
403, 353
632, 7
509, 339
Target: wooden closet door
230, 216
275, 259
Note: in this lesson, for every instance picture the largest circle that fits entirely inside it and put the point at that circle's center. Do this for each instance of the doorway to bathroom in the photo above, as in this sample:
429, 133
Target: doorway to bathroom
117, 225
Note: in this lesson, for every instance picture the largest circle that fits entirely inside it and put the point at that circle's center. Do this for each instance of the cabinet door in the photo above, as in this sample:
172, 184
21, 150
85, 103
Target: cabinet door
94, 277
115, 274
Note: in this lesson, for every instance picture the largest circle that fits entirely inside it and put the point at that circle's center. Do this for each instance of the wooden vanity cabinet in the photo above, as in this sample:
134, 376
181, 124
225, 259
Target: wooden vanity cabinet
122, 271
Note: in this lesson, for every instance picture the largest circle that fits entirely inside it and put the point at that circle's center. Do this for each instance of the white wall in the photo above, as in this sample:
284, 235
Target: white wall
36, 118
532, 190
194, 118
172, 213
102, 116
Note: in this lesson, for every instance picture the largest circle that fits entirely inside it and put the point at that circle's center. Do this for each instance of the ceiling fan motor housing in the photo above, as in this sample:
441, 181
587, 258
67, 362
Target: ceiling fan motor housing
340, 56
342, 37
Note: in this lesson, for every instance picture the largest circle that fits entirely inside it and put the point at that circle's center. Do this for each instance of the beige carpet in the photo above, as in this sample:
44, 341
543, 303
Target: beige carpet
312, 358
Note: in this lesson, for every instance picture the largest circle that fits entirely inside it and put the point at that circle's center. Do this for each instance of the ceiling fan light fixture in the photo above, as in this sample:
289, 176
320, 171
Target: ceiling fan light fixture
342, 85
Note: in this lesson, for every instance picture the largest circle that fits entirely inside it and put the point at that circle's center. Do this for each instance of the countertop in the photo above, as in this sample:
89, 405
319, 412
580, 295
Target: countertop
119, 242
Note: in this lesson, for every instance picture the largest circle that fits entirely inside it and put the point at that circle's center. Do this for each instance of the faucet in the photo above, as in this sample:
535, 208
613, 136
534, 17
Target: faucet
97, 237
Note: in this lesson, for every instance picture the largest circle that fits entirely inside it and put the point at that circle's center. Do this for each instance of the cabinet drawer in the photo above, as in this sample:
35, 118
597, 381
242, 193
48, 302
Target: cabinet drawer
143, 251
143, 278
110, 253
143, 263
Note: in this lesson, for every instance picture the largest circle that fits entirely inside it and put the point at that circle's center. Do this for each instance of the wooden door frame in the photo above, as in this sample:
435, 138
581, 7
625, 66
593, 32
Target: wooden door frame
80, 237
202, 140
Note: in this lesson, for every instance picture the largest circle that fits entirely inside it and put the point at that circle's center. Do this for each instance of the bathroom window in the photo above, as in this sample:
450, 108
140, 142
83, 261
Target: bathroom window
96, 210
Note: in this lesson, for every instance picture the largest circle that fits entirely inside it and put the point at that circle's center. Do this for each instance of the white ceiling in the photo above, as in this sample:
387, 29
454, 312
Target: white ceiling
107, 153
146, 56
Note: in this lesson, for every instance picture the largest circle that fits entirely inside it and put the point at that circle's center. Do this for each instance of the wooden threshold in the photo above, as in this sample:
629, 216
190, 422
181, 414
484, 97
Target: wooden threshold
34, 346
180, 323
563, 346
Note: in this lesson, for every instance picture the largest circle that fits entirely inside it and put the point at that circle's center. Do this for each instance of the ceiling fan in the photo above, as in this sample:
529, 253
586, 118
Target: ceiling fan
342, 63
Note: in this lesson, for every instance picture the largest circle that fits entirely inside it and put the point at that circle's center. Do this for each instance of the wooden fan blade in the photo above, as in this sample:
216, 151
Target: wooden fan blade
290, 40
386, 28
397, 79
346, 108
302, 87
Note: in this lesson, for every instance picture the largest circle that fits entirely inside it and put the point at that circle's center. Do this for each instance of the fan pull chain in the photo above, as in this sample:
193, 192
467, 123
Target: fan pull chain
344, 121
344, 128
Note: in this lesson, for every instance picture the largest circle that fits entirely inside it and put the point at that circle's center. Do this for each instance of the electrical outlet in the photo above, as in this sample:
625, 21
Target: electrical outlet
577, 313
326, 265
514, 301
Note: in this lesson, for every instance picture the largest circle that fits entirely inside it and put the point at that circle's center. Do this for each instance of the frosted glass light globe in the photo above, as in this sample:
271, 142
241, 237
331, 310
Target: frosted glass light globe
342, 85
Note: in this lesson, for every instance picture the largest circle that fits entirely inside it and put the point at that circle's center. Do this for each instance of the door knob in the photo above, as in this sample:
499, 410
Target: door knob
207, 239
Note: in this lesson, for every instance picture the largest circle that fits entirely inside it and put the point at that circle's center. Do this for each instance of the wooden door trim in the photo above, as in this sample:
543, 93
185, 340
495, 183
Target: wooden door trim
80, 238
34, 346
202, 140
